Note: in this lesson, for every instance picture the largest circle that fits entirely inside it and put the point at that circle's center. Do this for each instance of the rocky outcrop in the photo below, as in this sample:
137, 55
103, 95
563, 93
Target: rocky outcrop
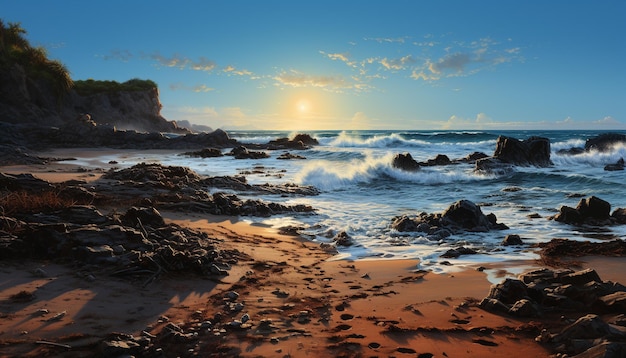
619, 165
556, 292
532, 151
242, 152
604, 142
589, 211
299, 141
462, 216
405, 162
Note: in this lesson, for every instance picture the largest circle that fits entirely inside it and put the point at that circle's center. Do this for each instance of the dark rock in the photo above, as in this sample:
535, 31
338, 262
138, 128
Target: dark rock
524, 308
532, 151
456, 252
590, 326
619, 215
604, 142
403, 224
571, 151
343, 239
300, 141
591, 210
205, 153
242, 152
467, 215
25, 182
287, 156
568, 215
493, 166
440, 159
615, 301
405, 162
493, 305
512, 239
581, 277
509, 291
615, 167
471, 158
594, 207
143, 216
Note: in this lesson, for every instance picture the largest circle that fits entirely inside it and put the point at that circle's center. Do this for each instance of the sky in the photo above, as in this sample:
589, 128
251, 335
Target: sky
349, 65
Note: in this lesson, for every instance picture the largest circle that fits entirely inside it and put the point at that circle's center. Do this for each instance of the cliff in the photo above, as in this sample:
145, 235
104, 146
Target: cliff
26, 99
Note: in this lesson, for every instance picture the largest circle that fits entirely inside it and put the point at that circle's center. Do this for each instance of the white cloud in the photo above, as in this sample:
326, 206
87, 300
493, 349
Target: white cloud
196, 88
299, 79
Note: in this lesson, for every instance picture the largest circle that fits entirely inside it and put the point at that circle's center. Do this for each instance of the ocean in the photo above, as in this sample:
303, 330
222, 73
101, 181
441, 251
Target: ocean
361, 193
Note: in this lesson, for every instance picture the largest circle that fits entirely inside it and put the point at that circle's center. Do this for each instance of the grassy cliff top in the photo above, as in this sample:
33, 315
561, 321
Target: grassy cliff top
90, 86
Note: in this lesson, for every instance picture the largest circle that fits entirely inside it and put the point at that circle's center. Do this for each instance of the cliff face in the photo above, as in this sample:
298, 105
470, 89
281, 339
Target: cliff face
27, 100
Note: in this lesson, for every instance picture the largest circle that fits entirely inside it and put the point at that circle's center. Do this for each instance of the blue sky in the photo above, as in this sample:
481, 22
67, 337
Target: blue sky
297, 65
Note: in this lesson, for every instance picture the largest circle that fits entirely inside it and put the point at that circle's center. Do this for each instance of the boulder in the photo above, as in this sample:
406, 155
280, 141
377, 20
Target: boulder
615, 167
508, 291
143, 216
467, 215
343, 239
532, 151
512, 239
403, 224
205, 153
594, 207
242, 152
591, 210
604, 142
405, 162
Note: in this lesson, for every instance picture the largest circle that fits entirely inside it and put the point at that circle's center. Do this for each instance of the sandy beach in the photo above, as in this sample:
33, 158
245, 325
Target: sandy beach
287, 298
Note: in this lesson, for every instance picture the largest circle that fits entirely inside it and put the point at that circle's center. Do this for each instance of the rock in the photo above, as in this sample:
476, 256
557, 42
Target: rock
459, 251
619, 215
615, 167
473, 157
571, 151
594, 207
300, 141
143, 216
25, 182
205, 153
405, 162
524, 308
509, 291
343, 239
590, 326
493, 305
512, 239
440, 159
604, 142
591, 210
615, 301
287, 156
403, 224
242, 152
467, 215
532, 151
581, 277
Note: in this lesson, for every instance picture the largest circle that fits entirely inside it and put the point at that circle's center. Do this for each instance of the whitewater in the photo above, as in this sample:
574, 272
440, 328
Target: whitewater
361, 192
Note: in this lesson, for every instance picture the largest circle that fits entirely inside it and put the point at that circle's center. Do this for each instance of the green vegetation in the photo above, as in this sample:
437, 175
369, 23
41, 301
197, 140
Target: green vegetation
14, 48
89, 87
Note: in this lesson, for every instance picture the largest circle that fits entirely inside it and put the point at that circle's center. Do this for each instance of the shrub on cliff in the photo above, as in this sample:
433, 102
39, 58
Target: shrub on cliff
15, 49
91, 87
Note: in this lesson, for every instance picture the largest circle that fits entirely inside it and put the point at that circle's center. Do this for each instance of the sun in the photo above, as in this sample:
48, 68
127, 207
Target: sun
303, 106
